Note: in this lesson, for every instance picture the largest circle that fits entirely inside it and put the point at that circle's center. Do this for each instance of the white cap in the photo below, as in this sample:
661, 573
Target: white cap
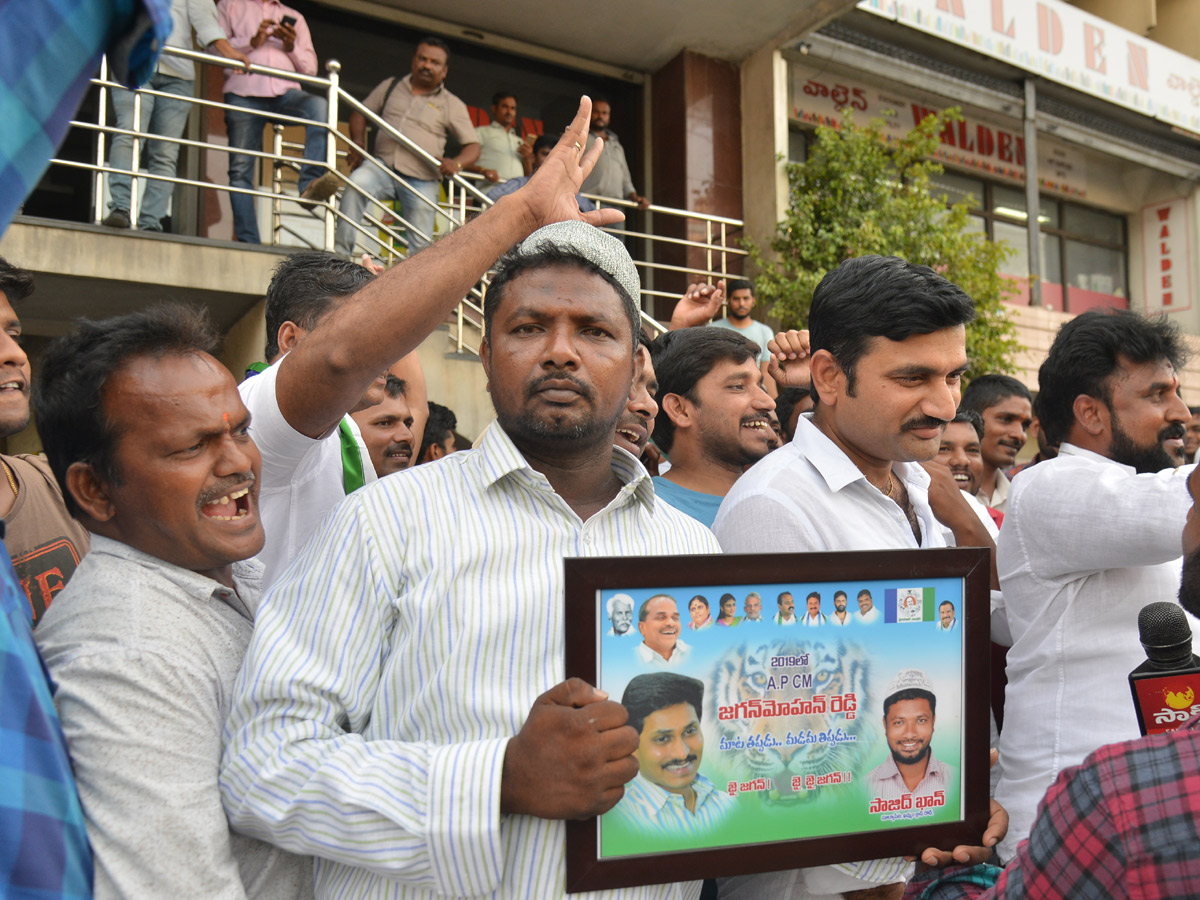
908, 680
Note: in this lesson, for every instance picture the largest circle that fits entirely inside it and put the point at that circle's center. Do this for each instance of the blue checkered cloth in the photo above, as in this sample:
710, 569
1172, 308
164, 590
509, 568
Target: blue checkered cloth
44, 850
48, 51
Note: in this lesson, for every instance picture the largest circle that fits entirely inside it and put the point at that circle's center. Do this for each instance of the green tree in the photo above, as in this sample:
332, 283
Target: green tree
856, 195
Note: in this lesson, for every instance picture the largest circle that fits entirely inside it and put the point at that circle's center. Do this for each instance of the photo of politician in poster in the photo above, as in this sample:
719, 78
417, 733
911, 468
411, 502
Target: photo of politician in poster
774, 733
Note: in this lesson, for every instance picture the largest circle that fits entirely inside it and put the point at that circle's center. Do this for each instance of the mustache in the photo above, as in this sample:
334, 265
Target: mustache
924, 422
685, 761
401, 445
1175, 430
539, 383
224, 486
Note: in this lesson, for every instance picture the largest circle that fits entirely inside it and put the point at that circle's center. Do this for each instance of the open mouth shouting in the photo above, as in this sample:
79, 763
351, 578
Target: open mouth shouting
228, 507
631, 435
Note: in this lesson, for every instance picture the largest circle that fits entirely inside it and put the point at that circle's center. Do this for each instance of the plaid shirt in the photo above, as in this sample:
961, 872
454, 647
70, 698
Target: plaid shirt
1126, 823
49, 50
44, 849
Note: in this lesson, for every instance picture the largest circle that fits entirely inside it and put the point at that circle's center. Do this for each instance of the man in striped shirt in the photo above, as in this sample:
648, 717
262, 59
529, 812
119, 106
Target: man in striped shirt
669, 793
909, 714
402, 713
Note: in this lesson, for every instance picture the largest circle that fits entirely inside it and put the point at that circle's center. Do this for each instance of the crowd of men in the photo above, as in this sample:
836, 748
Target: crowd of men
418, 105
289, 658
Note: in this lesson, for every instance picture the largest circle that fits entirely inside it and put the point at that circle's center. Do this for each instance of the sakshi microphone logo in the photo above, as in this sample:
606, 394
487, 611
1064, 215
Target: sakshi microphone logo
1179, 699
1178, 707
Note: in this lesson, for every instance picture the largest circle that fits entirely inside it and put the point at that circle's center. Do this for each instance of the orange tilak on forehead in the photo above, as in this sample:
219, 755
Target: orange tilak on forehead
225, 416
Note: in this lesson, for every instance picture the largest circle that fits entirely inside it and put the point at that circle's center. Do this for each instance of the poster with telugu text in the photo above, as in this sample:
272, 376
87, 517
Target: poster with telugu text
760, 710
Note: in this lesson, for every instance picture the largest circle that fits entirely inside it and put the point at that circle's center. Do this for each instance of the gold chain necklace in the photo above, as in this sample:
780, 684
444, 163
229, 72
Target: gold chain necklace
890, 486
12, 481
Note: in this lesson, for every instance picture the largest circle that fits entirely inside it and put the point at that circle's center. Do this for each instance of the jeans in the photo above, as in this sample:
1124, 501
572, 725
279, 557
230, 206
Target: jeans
245, 133
160, 115
377, 183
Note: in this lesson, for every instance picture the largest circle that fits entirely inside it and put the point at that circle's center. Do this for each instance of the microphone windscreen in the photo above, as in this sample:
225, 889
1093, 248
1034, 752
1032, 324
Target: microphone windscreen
1165, 634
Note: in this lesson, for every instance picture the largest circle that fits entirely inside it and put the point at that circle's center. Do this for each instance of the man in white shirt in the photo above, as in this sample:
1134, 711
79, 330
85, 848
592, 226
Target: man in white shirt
313, 451
659, 626
503, 154
867, 613
814, 616
402, 712
960, 452
786, 606
887, 353
946, 619
1089, 537
752, 607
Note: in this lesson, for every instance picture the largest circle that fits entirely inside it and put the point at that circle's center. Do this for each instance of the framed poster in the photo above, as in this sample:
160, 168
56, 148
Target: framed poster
758, 685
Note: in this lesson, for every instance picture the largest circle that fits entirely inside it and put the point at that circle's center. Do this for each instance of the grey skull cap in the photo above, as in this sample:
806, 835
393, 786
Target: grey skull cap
598, 247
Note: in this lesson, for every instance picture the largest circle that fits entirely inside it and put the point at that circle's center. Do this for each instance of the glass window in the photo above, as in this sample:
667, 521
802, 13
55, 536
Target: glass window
1010, 202
1017, 265
1093, 224
957, 187
1092, 268
797, 146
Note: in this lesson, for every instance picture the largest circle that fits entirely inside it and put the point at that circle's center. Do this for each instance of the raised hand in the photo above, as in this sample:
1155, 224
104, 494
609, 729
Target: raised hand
549, 195
699, 303
790, 359
572, 757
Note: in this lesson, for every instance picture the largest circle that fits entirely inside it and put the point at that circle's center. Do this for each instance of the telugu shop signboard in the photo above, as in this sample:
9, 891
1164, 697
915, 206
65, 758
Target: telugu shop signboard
1066, 45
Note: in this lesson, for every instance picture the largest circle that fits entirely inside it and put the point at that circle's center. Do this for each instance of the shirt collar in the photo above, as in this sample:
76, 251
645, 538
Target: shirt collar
500, 459
1069, 449
835, 466
247, 576
935, 767
407, 82
656, 798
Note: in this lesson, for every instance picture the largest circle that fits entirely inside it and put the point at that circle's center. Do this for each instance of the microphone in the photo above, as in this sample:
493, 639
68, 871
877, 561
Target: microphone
1166, 687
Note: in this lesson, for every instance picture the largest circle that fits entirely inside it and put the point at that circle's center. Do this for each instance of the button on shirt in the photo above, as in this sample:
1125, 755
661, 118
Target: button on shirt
240, 20
499, 150
1086, 543
425, 119
144, 655
393, 663
648, 806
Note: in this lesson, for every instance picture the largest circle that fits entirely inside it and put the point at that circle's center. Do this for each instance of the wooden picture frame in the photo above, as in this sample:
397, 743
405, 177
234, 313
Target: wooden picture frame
766, 822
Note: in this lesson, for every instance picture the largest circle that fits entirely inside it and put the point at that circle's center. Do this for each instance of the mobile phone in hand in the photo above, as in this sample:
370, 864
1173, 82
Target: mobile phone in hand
289, 21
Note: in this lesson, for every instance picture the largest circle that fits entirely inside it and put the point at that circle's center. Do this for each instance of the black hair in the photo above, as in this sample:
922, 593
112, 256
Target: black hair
862, 592
949, 603
812, 594
785, 405
502, 95
986, 391
969, 417
682, 358
880, 296
600, 98
782, 594
440, 424
395, 387
701, 598
303, 289
647, 694
839, 593
15, 284
910, 694
644, 609
430, 40
739, 284
1088, 351
76, 368
545, 140
513, 263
